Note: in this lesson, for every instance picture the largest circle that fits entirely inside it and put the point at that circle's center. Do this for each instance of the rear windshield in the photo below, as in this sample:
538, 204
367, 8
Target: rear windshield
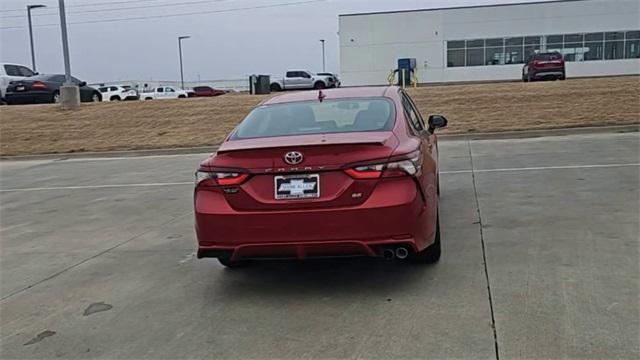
198, 88
548, 57
314, 117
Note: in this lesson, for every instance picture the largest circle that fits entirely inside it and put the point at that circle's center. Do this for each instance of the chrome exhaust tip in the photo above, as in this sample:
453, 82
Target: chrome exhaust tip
402, 252
388, 254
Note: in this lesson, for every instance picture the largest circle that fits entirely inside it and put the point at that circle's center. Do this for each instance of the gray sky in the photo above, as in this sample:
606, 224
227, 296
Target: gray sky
223, 45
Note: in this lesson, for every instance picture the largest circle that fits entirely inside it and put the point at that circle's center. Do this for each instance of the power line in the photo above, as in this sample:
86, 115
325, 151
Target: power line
91, 4
185, 3
175, 15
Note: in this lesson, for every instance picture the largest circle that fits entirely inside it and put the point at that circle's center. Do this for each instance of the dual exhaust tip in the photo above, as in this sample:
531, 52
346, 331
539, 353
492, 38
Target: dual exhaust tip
400, 252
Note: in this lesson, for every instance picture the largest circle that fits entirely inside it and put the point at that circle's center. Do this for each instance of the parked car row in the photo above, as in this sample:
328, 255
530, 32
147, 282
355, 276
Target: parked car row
21, 85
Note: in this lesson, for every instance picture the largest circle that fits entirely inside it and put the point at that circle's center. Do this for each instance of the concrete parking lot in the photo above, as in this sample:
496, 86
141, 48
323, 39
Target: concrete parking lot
540, 260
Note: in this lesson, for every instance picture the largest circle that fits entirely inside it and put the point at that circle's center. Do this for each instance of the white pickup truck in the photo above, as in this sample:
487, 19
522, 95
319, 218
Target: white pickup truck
163, 92
302, 79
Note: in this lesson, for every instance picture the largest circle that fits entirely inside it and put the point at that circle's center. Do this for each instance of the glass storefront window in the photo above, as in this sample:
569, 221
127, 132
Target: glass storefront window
610, 45
593, 50
475, 57
455, 58
494, 56
532, 40
632, 49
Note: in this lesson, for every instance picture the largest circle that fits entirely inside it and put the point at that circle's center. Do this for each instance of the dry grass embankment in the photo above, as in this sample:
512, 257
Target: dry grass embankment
39, 129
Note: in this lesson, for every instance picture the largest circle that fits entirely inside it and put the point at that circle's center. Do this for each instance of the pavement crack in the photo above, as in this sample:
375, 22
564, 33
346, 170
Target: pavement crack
92, 257
40, 337
484, 253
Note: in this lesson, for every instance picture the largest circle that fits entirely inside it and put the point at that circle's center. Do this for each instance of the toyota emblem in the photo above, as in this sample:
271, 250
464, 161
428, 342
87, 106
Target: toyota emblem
293, 157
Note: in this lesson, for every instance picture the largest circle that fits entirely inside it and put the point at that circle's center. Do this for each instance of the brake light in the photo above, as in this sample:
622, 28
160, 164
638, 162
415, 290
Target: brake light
38, 85
408, 165
220, 178
536, 63
365, 171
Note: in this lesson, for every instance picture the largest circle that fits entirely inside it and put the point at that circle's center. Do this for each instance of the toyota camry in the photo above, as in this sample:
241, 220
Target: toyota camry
340, 172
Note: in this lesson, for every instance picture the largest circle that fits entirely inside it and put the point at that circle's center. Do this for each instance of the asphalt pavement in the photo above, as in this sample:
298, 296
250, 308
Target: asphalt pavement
540, 260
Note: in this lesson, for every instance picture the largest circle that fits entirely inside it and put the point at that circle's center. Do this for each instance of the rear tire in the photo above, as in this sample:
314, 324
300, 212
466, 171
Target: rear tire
233, 264
115, 98
96, 97
319, 85
563, 76
55, 98
431, 254
275, 87
181, 97
524, 78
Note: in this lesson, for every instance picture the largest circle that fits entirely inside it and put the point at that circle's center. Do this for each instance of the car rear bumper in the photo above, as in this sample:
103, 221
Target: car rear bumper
39, 97
305, 250
395, 214
549, 73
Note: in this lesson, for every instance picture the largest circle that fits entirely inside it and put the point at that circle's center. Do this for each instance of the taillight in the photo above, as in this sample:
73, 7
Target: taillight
408, 165
38, 85
220, 178
536, 63
366, 171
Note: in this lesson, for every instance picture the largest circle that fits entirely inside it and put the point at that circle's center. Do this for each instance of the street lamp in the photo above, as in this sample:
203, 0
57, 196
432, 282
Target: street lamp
180, 38
69, 92
322, 41
33, 56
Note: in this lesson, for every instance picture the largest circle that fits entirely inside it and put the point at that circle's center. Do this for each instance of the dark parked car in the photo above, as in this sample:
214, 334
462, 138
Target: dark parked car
544, 66
207, 91
46, 89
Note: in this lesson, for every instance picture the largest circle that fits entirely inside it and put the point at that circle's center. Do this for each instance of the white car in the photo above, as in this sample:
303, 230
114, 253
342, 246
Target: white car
164, 92
301, 80
118, 93
11, 72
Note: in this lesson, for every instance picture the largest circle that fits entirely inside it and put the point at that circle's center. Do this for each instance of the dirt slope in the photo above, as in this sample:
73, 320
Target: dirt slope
37, 129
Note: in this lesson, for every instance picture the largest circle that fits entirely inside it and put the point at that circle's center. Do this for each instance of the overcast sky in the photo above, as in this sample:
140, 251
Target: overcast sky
224, 45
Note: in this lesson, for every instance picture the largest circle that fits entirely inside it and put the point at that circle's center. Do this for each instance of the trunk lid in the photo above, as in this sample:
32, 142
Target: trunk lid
324, 155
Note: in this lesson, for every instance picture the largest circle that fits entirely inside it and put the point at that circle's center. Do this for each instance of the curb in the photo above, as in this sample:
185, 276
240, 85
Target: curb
519, 134
116, 153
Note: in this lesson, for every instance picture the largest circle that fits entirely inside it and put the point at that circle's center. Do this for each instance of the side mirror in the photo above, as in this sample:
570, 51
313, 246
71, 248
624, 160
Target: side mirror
436, 121
82, 83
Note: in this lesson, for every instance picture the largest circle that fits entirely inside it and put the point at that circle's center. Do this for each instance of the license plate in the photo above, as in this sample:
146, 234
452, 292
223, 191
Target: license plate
297, 186
19, 88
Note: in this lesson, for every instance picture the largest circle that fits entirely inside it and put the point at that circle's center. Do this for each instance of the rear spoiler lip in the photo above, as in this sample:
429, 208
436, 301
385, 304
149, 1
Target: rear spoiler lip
380, 139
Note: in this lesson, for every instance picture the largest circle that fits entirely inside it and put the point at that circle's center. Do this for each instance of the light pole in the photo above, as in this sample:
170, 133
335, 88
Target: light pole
33, 55
180, 38
322, 41
69, 92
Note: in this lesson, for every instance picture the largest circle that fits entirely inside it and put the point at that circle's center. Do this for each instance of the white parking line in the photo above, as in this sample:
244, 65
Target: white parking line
141, 157
540, 168
442, 172
98, 186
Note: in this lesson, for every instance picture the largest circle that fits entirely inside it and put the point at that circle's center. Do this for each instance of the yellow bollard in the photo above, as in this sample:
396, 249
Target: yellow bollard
391, 77
403, 80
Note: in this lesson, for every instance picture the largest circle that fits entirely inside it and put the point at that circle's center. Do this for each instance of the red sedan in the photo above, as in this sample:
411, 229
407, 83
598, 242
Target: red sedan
340, 172
207, 91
